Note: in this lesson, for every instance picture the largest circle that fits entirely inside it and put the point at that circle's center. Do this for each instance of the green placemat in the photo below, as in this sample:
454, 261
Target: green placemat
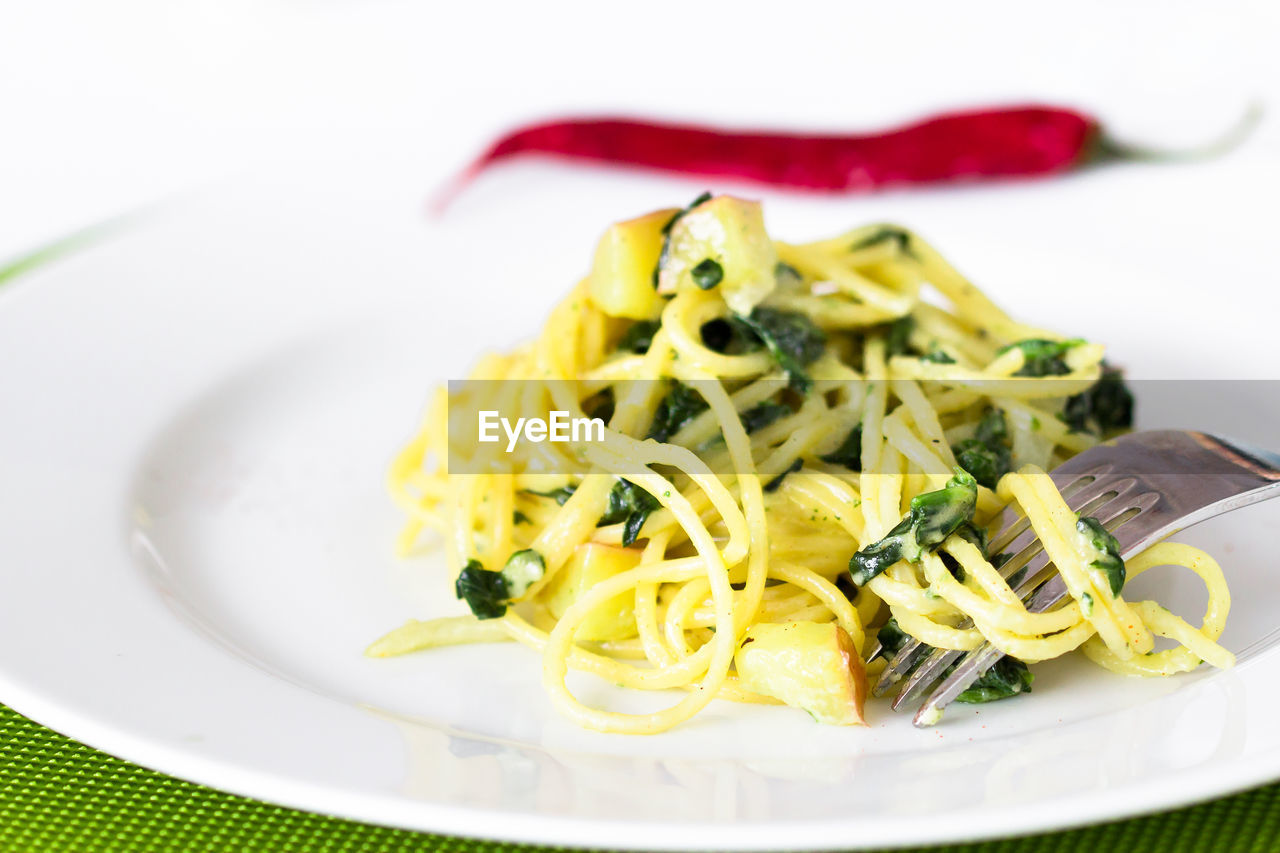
59, 795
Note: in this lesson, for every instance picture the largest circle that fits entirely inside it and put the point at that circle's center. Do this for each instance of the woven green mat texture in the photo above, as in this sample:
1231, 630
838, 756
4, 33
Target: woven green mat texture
59, 795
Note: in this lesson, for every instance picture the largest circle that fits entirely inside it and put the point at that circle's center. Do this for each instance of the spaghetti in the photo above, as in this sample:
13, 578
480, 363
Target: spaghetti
806, 447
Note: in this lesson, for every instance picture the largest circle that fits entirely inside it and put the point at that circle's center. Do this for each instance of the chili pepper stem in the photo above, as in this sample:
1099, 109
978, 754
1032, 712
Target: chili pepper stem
1107, 149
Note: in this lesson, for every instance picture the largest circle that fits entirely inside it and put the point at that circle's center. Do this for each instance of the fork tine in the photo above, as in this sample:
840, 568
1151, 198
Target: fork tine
1229, 475
1023, 568
1017, 526
981, 659
1110, 502
901, 664
1015, 531
1041, 592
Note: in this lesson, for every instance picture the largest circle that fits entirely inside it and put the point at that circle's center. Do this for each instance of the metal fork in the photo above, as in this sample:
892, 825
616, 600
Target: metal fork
1143, 487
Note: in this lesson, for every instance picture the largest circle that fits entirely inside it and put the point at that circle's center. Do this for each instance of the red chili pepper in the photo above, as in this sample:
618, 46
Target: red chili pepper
992, 143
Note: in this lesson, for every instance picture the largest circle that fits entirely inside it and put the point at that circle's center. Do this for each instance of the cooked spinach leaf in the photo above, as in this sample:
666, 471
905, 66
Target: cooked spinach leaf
986, 463
1008, 677
630, 504
986, 455
488, 593
783, 270
793, 341
1041, 357
896, 340
992, 428
1106, 552
523, 569
600, 405
772, 485
729, 336
886, 234
484, 591
707, 274
519, 517
849, 453
974, 535
892, 638
681, 405
763, 414
559, 495
952, 565
1105, 406
932, 518
639, 336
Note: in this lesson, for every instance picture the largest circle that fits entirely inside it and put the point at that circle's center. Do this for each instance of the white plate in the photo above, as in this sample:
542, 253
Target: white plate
197, 545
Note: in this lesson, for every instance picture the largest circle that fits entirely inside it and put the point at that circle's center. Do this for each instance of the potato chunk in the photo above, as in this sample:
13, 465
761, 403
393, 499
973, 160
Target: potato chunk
808, 665
590, 564
622, 273
729, 232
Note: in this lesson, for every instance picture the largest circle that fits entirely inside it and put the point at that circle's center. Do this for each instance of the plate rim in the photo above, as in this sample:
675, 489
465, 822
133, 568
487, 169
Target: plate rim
1061, 813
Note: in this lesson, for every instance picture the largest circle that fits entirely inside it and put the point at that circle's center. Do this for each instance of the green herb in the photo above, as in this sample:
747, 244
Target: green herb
898, 336
630, 504
772, 485
639, 336
793, 341
559, 495
1105, 406
1106, 552
1008, 677
937, 356
484, 591
986, 455
1041, 357
707, 274
849, 453
666, 234
933, 517
1086, 604
760, 416
886, 234
681, 405
519, 517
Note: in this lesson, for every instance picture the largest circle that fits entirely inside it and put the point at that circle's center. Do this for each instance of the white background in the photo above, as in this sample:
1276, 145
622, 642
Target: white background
107, 105
104, 105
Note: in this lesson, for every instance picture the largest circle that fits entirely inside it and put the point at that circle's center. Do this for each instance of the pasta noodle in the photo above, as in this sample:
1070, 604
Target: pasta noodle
780, 420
